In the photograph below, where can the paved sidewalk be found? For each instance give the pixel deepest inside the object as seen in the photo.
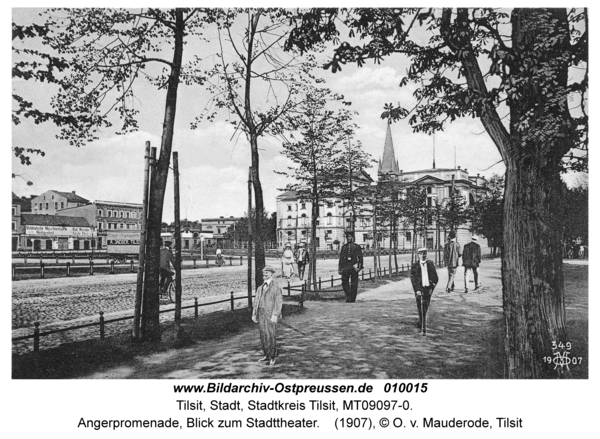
(372, 338)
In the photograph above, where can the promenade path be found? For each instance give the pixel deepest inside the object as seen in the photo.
(373, 338)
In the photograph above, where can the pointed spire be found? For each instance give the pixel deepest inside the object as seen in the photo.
(388, 163)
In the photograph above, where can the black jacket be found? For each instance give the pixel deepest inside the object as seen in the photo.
(349, 255)
(415, 275)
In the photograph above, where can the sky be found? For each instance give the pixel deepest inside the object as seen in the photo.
(214, 160)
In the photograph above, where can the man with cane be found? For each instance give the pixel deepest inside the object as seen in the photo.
(424, 278)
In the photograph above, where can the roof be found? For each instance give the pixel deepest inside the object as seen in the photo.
(72, 197)
(53, 220)
(388, 164)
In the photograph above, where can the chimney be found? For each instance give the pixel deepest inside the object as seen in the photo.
(73, 192)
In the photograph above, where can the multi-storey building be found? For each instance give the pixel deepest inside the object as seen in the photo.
(109, 217)
(16, 221)
(50, 202)
(219, 227)
(294, 214)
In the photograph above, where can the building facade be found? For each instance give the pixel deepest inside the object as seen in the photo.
(109, 218)
(16, 221)
(219, 228)
(51, 202)
(55, 232)
(294, 215)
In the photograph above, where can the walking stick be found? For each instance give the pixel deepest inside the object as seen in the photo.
(422, 314)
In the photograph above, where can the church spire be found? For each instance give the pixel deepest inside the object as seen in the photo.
(388, 163)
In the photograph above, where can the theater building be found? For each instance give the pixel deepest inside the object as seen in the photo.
(50, 202)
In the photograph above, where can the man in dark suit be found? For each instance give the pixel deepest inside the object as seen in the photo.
(350, 263)
(471, 259)
(266, 311)
(301, 259)
(424, 278)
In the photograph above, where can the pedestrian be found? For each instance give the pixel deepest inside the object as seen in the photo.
(266, 312)
(471, 259)
(452, 252)
(287, 260)
(301, 259)
(166, 260)
(424, 278)
(350, 263)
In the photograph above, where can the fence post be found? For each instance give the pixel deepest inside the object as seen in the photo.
(25, 258)
(332, 280)
(288, 288)
(195, 307)
(73, 259)
(132, 266)
(14, 271)
(112, 267)
(194, 262)
(57, 259)
(384, 272)
(302, 295)
(319, 282)
(232, 300)
(207, 261)
(91, 267)
(101, 325)
(241, 260)
(363, 274)
(42, 269)
(370, 275)
(230, 261)
(68, 269)
(36, 337)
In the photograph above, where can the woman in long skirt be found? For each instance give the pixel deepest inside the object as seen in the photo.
(288, 261)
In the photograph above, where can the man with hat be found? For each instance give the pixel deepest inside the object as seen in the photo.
(350, 263)
(266, 311)
(166, 260)
(471, 259)
(301, 259)
(424, 278)
(452, 252)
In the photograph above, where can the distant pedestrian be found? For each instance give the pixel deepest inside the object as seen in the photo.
(452, 252)
(424, 278)
(287, 259)
(471, 260)
(350, 263)
(166, 260)
(266, 312)
(301, 260)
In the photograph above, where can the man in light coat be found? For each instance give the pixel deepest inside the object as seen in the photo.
(452, 252)
(266, 311)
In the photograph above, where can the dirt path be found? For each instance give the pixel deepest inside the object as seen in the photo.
(373, 338)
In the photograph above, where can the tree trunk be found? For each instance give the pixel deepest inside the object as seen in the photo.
(259, 208)
(532, 275)
(150, 328)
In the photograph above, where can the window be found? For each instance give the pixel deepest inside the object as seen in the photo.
(108, 213)
(289, 207)
(14, 225)
(122, 214)
(303, 219)
(56, 205)
(115, 214)
(14, 211)
(99, 212)
(62, 204)
(133, 215)
(289, 221)
(127, 226)
(429, 201)
(303, 206)
(365, 237)
(121, 225)
(126, 214)
(329, 219)
(429, 189)
(408, 236)
(46, 206)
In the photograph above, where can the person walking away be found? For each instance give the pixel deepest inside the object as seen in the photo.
(166, 261)
(301, 260)
(350, 263)
(452, 252)
(266, 312)
(471, 260)
(287, 260)
(219, 256)
(424, 278)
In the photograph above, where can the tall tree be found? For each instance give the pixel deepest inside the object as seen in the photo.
(484, 63)
(257, 83)
(487, 213)
(101, 53)
(315, 145)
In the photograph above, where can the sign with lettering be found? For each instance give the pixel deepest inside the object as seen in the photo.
(78, 232)
(122, 238)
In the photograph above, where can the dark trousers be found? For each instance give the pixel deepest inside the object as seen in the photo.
(350, 284)
(268, 334)
(166, 277)
(475, 276)
(422, 306)
(301, 267)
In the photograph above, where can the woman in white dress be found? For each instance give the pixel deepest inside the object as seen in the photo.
(287, 260)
